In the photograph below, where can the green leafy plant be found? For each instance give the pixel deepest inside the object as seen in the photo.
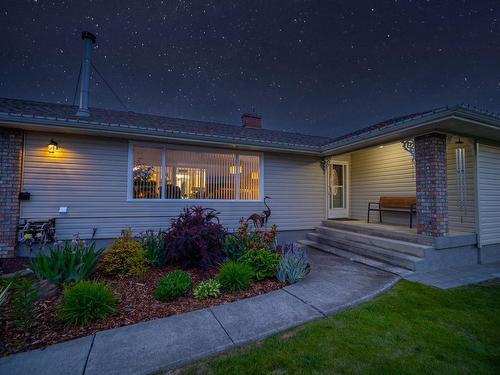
(87, 301)
(263, 262)
(207, 289)
(294, 264)
(256, 238)
(126, 257)
(173, 285)
(4, 290)
(22, 302)
(154, 245)
(72, 262)
(233, 248)
(235, 276)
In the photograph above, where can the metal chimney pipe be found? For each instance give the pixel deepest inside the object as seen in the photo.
(88, 40)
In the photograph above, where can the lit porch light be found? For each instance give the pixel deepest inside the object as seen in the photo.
(52, 147)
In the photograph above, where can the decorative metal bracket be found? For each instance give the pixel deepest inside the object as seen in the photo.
(409, 146)
(323, 164)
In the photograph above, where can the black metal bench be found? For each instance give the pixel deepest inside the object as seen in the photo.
(394, 204)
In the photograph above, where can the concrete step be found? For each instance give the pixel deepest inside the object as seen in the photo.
(369, 251)
(357, 258)
(379, 230)
(410, 248)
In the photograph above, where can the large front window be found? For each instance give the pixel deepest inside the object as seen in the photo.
(169, 172)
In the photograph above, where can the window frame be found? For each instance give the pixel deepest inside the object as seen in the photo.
(165, 147)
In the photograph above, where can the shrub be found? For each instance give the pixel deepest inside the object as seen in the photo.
(256, 239)
(126, 257)
(233, 248)
(263, 262)
(22, 302)
(154, 245)
(207, 289)
(87, 301)
(294, 264)
(195, 239)
(173, 285)
(235, 276)
(73, 262)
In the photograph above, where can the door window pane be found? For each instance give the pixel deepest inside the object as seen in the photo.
(337, 186)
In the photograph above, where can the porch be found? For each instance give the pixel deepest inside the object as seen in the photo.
(433, 175)
(445, 197)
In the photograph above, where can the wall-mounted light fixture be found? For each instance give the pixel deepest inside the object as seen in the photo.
(52, 147)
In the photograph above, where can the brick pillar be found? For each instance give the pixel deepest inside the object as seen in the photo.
(431, 181)
(11, 146)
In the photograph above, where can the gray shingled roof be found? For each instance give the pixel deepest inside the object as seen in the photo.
(239, 134)
(62, 114)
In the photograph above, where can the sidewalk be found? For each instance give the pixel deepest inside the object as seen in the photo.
(334, 284)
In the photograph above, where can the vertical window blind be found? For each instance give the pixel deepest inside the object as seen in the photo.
(196, 174)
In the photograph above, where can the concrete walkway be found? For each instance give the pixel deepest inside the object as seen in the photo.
(144, 348)
(457, 276)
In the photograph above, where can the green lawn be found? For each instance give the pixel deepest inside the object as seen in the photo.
(412, 329)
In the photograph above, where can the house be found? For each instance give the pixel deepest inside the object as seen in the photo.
(97, 171)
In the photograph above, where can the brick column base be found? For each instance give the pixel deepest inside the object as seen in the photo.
(431, 184)
(11, 145)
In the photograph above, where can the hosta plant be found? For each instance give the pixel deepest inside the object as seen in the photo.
(126, 257)
(294, 264)
(69, 263)
(263, 262)
(207, 289)
(195, 239)
(235, 276)
(87, 301)
(172, 286)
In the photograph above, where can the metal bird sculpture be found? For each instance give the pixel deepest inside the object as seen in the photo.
(260, 220)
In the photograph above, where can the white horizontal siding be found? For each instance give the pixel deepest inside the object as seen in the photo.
(489, 193)
(89, 176)
(377, 172)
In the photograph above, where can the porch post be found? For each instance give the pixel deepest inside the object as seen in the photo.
(431, 184)
(11, 142)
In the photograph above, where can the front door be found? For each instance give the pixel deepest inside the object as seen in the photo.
(337, 189)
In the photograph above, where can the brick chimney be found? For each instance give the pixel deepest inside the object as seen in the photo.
(250, 120)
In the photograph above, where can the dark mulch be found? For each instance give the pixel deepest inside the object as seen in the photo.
(11, 265)
(137, 304)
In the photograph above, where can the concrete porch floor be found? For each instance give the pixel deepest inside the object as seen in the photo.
(405, 233)
(457, 276)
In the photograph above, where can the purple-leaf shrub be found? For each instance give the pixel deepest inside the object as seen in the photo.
(195, 239)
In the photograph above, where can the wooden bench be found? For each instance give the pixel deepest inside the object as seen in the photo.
(394, 204)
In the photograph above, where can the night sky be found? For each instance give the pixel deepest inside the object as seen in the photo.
(321, 67)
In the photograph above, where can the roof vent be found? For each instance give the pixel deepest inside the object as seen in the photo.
(89, 40)
(250, 120)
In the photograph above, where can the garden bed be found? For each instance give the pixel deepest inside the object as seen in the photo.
(139, 278)
(136, 304)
